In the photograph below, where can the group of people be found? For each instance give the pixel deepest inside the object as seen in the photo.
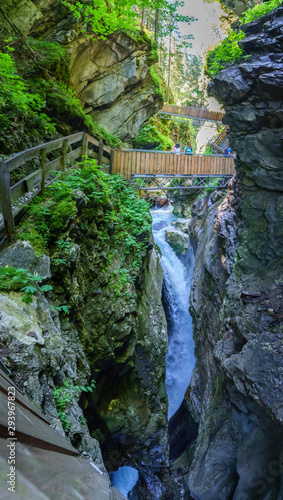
(188, 149)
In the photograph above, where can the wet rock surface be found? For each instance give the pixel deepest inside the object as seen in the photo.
(178, 240)
(114, 335)
(235, 395)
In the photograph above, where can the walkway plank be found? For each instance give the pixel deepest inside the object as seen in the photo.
(201, 114)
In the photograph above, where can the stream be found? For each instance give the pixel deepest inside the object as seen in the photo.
(180, 360)
(178, 276)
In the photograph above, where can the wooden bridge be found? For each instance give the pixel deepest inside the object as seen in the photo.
(68, 151)
(188, 112)
(128, 162)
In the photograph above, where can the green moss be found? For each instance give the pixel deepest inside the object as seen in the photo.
(64, 211)
(28, 233)
(51, 56)
(62, 103)
(160, 87)
(150, 137)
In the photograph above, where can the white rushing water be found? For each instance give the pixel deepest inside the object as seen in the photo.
(180, 359)
(124, 479)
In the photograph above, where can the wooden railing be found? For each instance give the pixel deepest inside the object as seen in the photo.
(220, 138)
(47, 465)
(127, 162)
(76, 146)
(202, 114)
(73, 148)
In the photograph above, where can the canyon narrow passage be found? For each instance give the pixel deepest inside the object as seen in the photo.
(178, 273)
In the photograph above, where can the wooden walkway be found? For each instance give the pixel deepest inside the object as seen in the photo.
(184, 111)
(71, 149)
(129, 162)
(47, 465)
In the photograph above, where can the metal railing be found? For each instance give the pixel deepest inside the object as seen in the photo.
(128, 162)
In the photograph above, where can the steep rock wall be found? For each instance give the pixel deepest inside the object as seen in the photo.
(115, 333)
(110, 77)
(236, 390)
(239, 6)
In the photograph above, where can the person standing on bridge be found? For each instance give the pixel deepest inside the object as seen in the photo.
(188, 149)
(229, 153)
(177, 149)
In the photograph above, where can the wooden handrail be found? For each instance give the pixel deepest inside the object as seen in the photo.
(221, 136)
(9, 194)
(200, 113)
(124, 162)
(128, 162)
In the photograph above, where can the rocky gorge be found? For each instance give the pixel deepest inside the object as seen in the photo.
(111, 329)
(110, 76)
(235, 395)
(103, 319)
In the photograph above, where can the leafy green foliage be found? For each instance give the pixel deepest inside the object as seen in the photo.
(33, 87)
(64, 397)
(126, 217)
(229, 52)
(63, 308)
(102, 18)
(260, 10)
(224, 54)
(19, 279)
(16, 100)
(150, 137)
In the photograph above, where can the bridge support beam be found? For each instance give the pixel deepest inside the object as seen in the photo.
(159, 182)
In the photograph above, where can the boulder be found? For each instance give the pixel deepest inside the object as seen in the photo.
(178, 240)
(181, 224)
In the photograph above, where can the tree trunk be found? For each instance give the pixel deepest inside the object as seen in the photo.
(142, 18)
(169, 67)
(148, 16)
(156, 25)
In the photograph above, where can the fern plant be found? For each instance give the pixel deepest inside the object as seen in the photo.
(64, 397)
(19, 279)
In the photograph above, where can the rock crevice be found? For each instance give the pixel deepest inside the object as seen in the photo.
(237, 302)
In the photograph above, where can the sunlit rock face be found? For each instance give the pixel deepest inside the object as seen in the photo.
(237, 294)
(239, 6)
(111, 77)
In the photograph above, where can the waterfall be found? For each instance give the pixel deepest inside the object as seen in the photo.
(180, 359)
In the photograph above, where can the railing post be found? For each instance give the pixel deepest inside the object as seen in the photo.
(100, 153)
(42, 164)
(85, 145)
(5, 195)
(64, 156)
(111, 161)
